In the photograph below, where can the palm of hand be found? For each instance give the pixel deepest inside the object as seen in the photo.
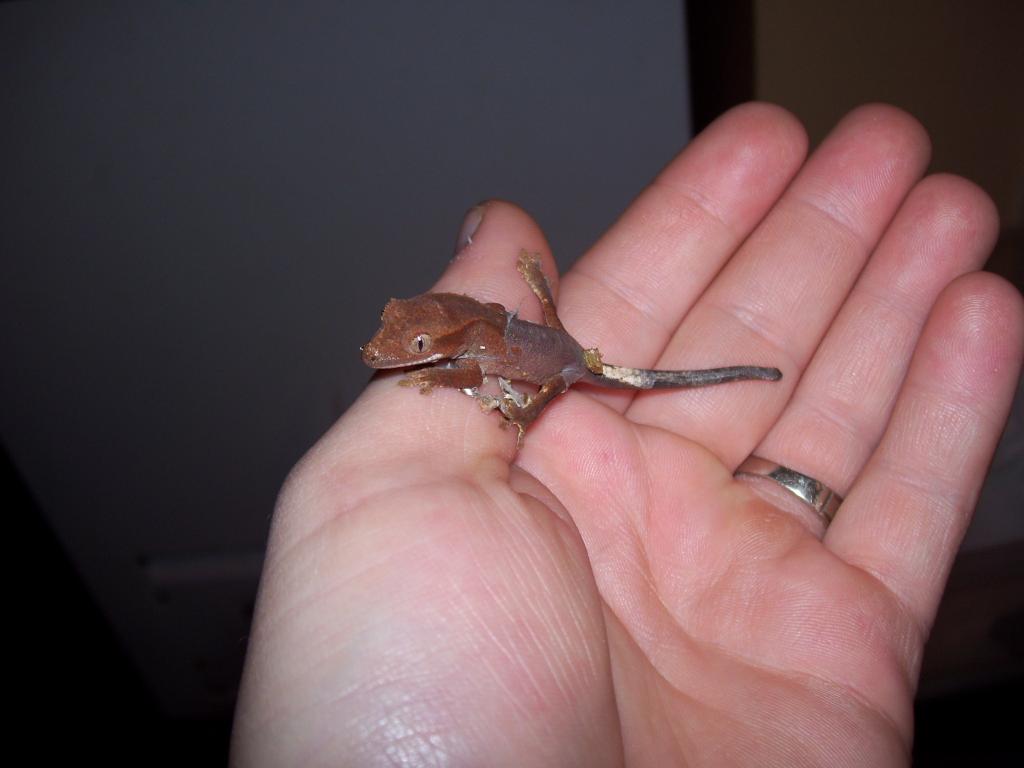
(496, 615)
(611, 593)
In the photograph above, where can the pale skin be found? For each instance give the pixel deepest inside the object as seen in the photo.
(610, 594)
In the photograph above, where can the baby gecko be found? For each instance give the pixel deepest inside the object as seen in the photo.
(461, 341)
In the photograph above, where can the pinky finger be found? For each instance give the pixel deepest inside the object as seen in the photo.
(904, 518)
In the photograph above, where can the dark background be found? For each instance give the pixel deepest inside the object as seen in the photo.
(204, 206)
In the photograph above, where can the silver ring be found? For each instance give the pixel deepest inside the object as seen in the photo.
(818, 496)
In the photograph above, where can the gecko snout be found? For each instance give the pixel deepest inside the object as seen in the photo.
(369, 353)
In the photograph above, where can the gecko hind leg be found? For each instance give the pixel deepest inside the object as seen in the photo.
(529, 268)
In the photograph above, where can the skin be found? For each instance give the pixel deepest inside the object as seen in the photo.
(610, 594)
(462, 341)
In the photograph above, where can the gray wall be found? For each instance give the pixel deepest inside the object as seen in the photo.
(204, 207)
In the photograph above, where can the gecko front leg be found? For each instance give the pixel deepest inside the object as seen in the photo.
(486, 402)
(458, 374)
(521, 399)
(514, 405)
(525, 411)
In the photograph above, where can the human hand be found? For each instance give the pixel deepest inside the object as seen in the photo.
(612, 594)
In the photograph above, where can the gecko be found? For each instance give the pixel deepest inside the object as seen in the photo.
(459, 341)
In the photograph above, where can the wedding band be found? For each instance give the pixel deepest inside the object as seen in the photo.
(818, 496)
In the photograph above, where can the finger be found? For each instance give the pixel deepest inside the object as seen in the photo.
(946, 228)
(484, 266)
(393, 435)
(774, 300)
(629, 292)
(905, 516)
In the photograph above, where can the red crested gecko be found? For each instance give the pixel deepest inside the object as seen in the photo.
(461, 341)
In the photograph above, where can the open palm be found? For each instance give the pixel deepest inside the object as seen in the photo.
(612, 594)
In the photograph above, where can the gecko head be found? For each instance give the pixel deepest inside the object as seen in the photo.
(415, 331)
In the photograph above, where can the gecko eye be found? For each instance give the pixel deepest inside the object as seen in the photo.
(420, 343)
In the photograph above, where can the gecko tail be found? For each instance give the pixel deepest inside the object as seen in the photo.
(642, 378)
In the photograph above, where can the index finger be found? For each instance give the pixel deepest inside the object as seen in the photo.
(628, 294)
